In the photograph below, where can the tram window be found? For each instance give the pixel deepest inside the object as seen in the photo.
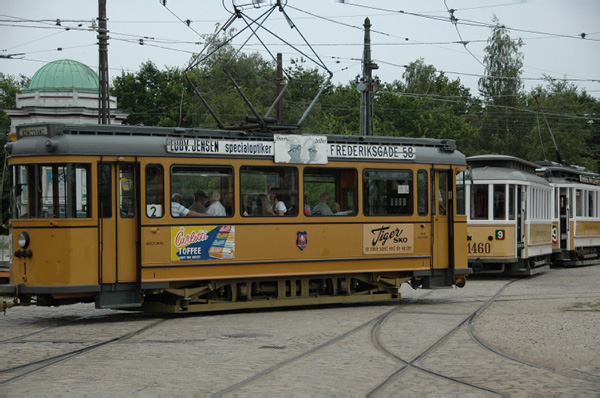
(579, 202)
(216, 181)
(591, 203)
(104, 191)
(388, 192)
(499, 202)
(155, 198)
(258, 182)
(479, 202)
(51, 191)
(330, 192)
(460, 194)
(511, 202)
(442, 192)
(127, 190)
(422, 196)
(20, 192)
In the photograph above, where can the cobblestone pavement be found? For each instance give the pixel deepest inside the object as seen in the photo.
(547, 325)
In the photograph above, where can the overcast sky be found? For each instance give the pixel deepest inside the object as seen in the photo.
(402, 32)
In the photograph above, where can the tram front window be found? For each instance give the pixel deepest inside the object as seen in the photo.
(50, 191)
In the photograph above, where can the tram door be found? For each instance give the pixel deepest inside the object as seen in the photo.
(441, 211)
(118, 216)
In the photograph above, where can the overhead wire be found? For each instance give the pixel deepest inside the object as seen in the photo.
(454, 21)
(312, 15)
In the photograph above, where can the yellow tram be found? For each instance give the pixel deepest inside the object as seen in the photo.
(180, 220)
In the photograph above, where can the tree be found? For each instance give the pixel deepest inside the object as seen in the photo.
(501, 87)
(151, 96)
(572, 117)
(10, 86)
(428, 104)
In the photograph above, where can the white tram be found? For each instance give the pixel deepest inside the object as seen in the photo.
(509, 216)
(575, 215)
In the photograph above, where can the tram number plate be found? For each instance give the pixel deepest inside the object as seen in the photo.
(479, 248)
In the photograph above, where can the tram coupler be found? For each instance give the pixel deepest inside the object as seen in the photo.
(460, 281)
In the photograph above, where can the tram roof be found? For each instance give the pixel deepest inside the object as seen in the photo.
(491, 173)
(122, 140)
(502, 161)
(559, 173)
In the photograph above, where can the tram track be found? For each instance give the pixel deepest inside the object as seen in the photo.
(413, 363)
(410, 342)
(469, 321)
(9, 375)
(313, 350)
(376, 341)
(466, 322)
(488, 346)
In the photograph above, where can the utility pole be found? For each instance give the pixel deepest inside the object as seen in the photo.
(279, 81)
(103, 93)
(367, 85)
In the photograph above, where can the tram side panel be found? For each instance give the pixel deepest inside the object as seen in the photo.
(259, 250)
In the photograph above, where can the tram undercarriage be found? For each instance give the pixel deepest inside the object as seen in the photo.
(236, 294)
(518, 267)
(576, 258)
(223, 295)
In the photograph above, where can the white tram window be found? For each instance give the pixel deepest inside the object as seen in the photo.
(499, 202)
(479, 202)
(388, 192)
(511, 202)
(556, 196)
(216, 181)
(591, 204)
(532, 204)
(51, 191)
(579, 203)
(264, 187)
(330, 192)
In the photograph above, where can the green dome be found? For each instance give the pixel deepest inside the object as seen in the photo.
(64, 75)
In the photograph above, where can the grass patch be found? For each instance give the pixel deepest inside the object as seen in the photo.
(590, 306)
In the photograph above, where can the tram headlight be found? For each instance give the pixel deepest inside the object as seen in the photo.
(23, 240)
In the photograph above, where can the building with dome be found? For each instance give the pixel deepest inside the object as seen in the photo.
(63, 91)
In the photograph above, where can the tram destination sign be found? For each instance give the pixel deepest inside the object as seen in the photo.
(371, 151)
(32, 131)
(306, 149)
(202, 146)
